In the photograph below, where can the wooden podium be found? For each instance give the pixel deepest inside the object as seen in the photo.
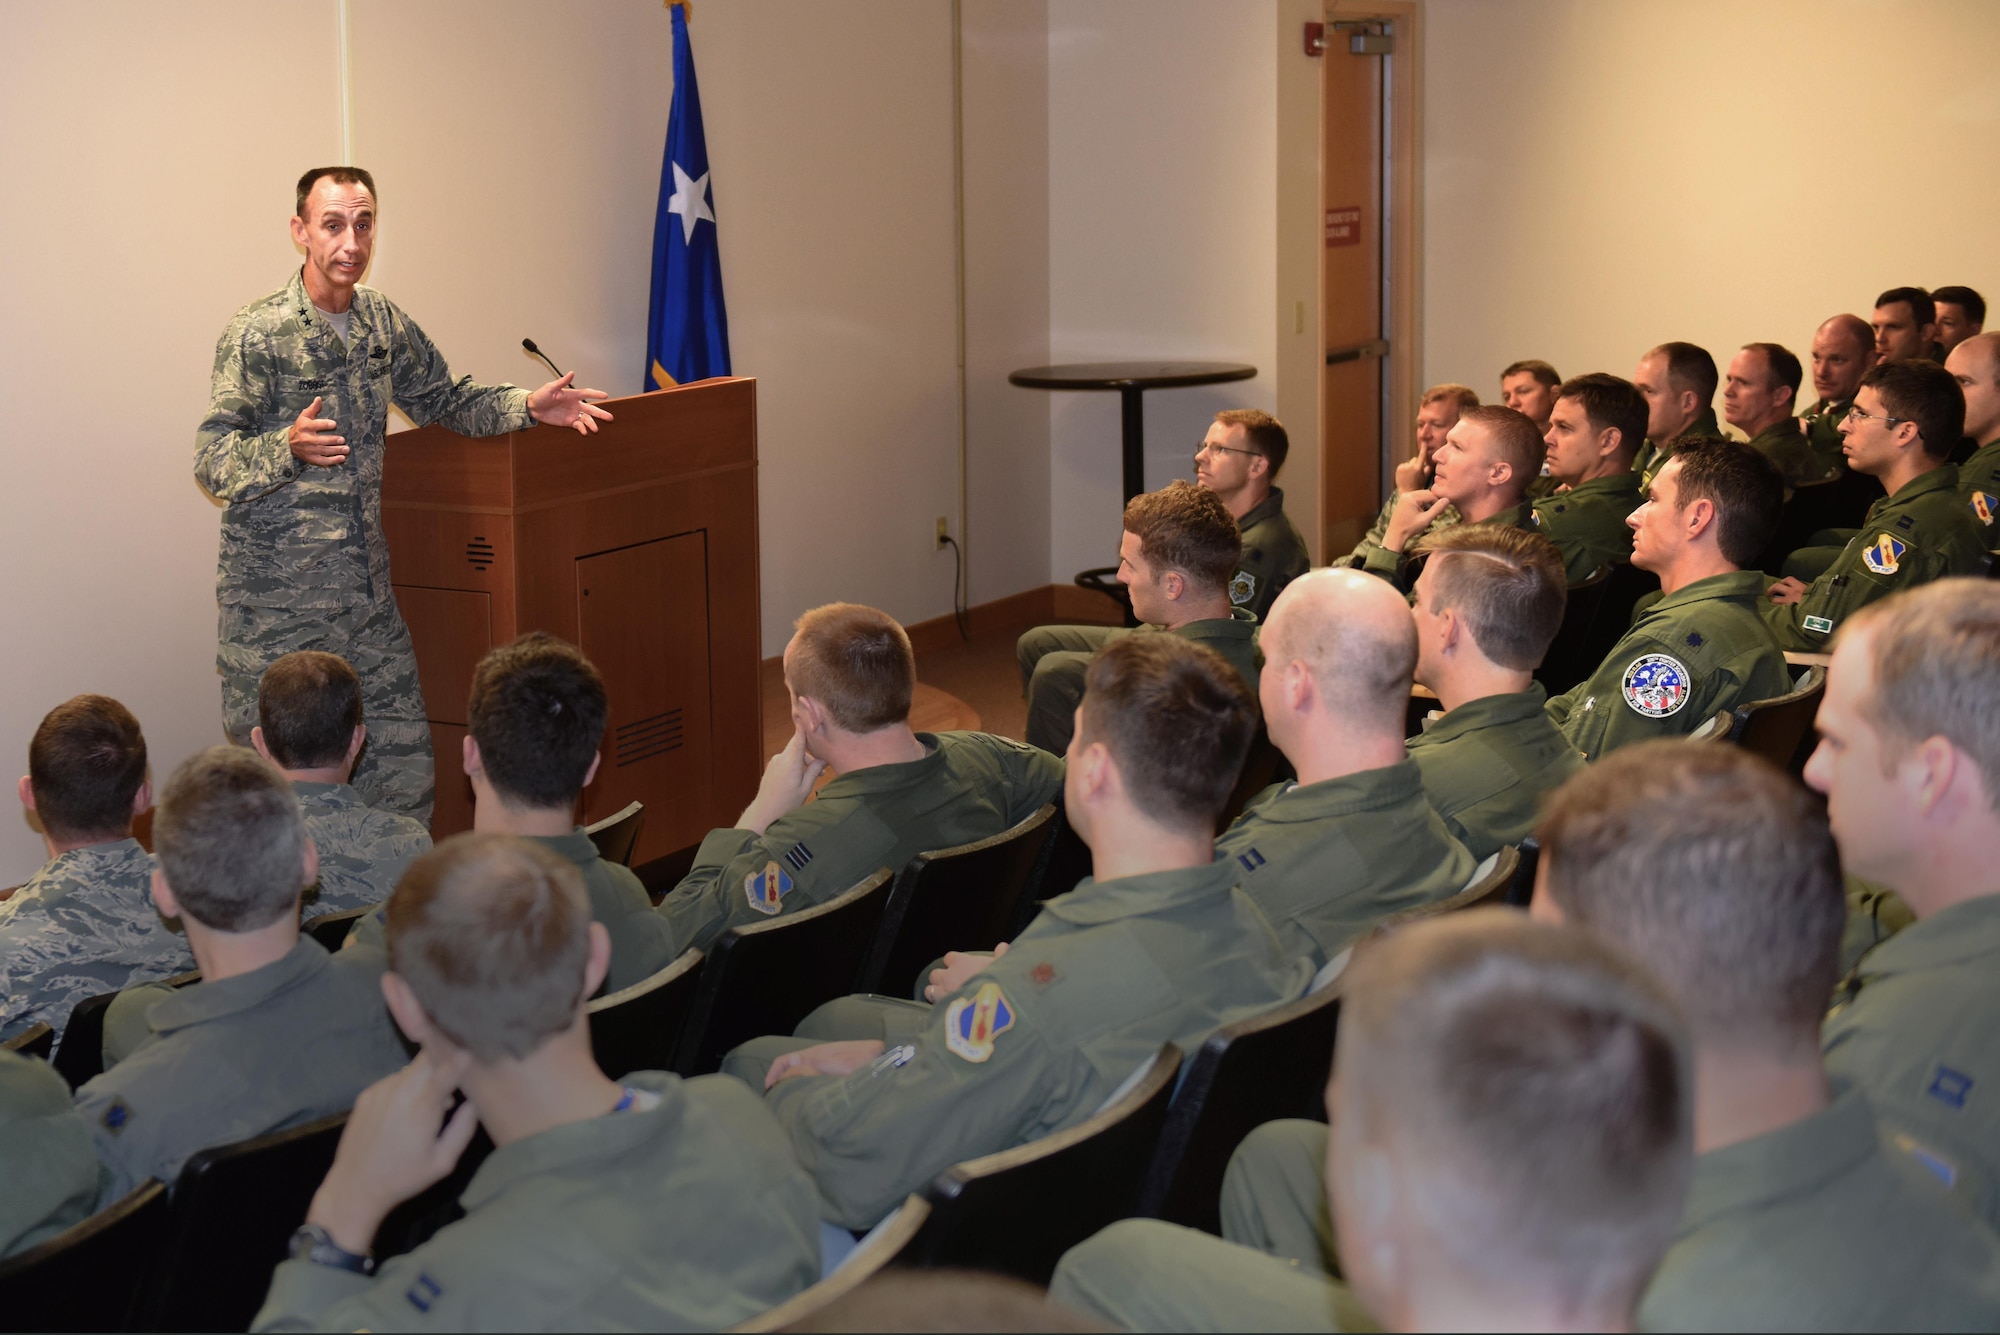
(637, 543)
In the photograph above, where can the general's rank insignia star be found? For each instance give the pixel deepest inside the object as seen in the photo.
(1884, 555)
(767, 889)
(972, 1024)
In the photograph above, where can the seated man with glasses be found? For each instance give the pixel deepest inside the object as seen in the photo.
(1239, 460)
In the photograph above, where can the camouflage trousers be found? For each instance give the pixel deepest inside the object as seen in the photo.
(395, 771)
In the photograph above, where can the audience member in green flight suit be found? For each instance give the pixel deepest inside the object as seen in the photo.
(1239, 461)
(1961, 314)
(1843, 350)
(1598, 423)
(1905, 324)
(1975, 365)
(1679, 382)
(1758, 396)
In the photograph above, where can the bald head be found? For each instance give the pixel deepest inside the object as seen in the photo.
(1351, 634)
(1975, 365)
(1843, 348)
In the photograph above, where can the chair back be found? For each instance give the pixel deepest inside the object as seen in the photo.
(1246, 1074)
(79, 1057)
(766, 977)
(1624, 586)
(1492, 882)
(1018, 1211)
(37, 1040)
(636, 1028)
(877, 1251)
(1827, 502)
(88, 1276)
(1065, 861)
(1564, 665)
(235, 1208)
(1527, 860)
(962, 898)
(331, 929)
(1781, 729)
(1263, 765)
(617, 835)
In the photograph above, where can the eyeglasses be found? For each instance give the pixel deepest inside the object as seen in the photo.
(1209, 447)
(1855, 414)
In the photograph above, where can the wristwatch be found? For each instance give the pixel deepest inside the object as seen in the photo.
(313, 1243)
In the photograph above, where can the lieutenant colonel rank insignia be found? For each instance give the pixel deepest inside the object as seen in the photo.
(971, 1024)
(1984, 505)
(1243, 588)
(1657, 685)
(767, 889)
(1884, 554)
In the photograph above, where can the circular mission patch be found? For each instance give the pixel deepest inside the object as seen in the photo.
(1657, 685)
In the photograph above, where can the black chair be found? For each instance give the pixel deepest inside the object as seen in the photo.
(235, 1208)
(1263, 765)
(88, 1276)
(617, 835)
(1104, 580)
(879, 1250)
(418, 1219)
(1839, 501)
(1568, 660)
(1019, 1210)
(1065, 861)
(1492, 883)
(38, 1040)
(768, 976)
(331, 929)
(1527, 860)
(80, 1056)
(1623, 589)
(963, 898)
(637, 1028)
(1254, 1071)
(1781, 729)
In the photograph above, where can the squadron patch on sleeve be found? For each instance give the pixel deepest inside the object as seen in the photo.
(1984, 506)
(1243, 589)
(972, 1024)
(1657, 685)
(767, 889)
(1884, 555)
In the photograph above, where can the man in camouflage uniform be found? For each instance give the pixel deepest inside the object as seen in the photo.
(1975, 365)
(303, 561)
(309, 726)
(1679, 382)
(1758, 395)
(1596, 426)
(84, 924)
(1239, 460)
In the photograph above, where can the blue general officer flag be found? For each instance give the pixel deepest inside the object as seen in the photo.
(687, 330)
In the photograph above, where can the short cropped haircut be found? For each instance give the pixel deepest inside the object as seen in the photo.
(1464, 396)
(1735, 903)
(1925, 393)
(1745, 487)
(537, 713)
(1858, 331)
(1610, 401)
(1936, 664)
(1541, 1085)
(1187, 528)
(309, 705)
(1265, 433)
(1690, 367)
(1362, 669)
(492, 933)
(857, 663)
(1515, 438)
(340, 176)
(230, 840)
(1780, 363)
(85, 764)
(1923, 306)
(1540, 370)
(1177, 719)
(1507, 583)
(1964, 298)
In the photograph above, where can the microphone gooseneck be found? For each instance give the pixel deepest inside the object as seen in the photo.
(529, 344)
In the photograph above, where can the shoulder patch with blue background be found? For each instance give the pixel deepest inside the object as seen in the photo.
(1657, 685)
(1884, 556)
(973, 1024)
(1984, 506)
(766, 889)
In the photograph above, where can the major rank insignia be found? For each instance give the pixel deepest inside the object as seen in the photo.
(1885, 554)
(1243, 588)
(766, 889)
(1984, 506)
(1657, 685)
(971, 1024)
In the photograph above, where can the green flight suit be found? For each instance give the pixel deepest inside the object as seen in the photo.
(1821, 1226)
(1327, 861)
(969, 785)
(46, 1160)
(1041, 1039)
(1587, 522)
(1784, 443)
(641, 944)
(362, 850)
(1053, 658)
(1924, 532)
(1822, 427)
(1874, 914)
(304, 562)
(1692, 654)
(83, 925)
(1274, 554)
(1487, 764)
(239, 1057)
(1376, 559)
(1648, 461)
(689, 1215)
(1979, 487)
(1918, 1031)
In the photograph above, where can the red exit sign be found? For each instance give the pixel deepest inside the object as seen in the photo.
(1343, 227)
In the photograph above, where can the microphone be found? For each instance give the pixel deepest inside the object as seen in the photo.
(529, 344)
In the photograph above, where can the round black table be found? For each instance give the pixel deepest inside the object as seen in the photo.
(1131, 380)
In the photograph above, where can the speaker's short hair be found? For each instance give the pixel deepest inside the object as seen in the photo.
(1507, 583)
(230, 840)
(1176, 718)
(537, 713)
(1187, 528)
(1925, 393)
(857, 662)
(1936, 669)
(1265, 433)
(339, 176)
(309, 705)
(85, 764)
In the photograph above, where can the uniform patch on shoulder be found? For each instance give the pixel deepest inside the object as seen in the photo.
(972, 1024)
(1950, 1087)
(424, 1292)
(1906, 523)
(1043, 974)
(799, 857)
(1984, 506)
(116, 1116)
(1657, 685)
(1242, 589)
(1943, 1169)
(1820, 625)
(1251, 859)
(1694, 639)
(1884, 556)
(766, 889)
(1535, 518)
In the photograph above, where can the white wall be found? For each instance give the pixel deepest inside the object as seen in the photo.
(1602, 177)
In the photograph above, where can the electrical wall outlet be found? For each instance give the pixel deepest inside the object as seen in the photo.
(943, 531)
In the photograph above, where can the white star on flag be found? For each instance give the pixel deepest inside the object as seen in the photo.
(690, 200)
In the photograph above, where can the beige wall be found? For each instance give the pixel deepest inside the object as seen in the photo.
(1605, 176)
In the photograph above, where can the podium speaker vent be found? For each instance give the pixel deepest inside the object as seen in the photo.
(642, 739)
(479, 553)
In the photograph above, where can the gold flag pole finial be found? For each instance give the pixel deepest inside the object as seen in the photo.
(685, 6)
